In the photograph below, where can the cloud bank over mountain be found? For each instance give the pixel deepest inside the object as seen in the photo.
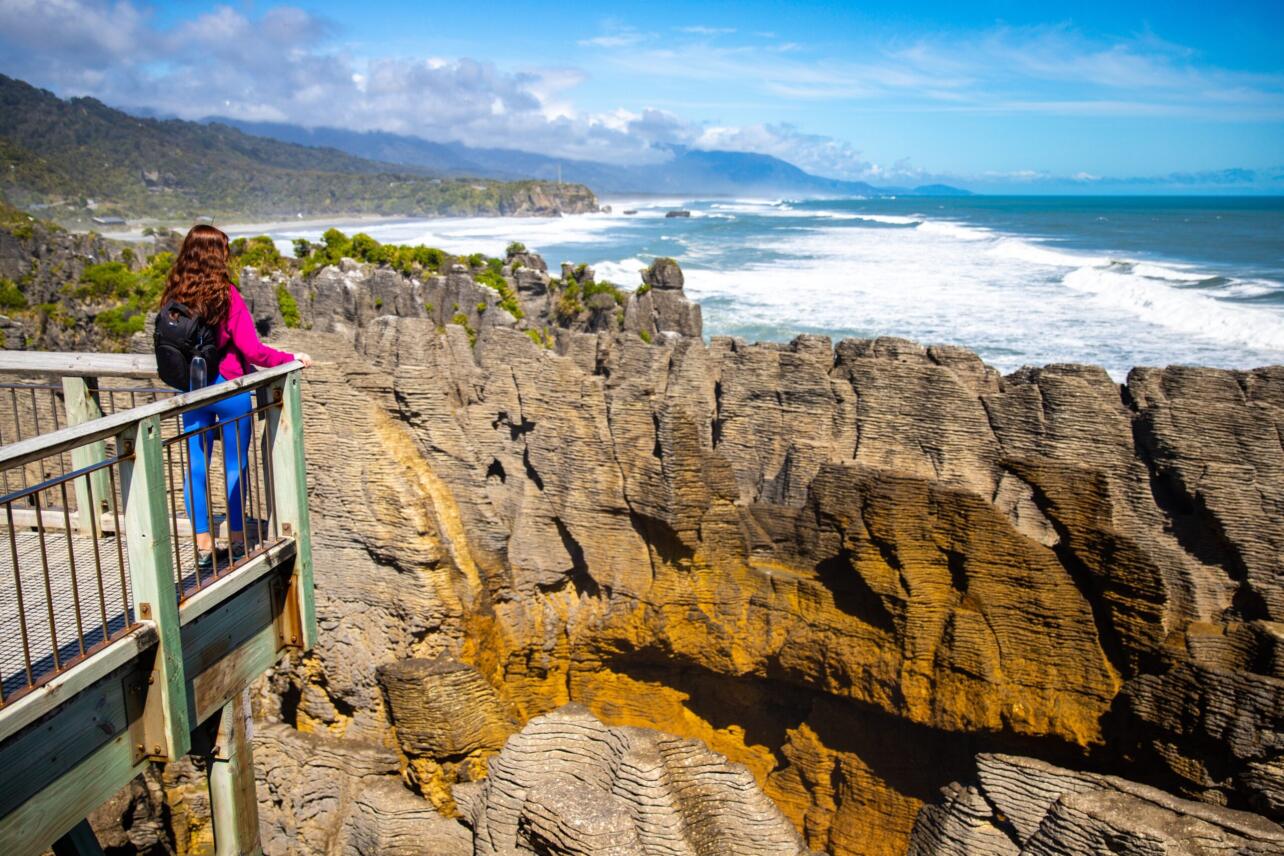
(288, 65)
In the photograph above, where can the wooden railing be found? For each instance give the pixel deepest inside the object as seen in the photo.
(105, 577)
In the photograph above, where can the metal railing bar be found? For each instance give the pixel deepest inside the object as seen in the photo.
(98, 560)
(209, 508)
(71, 563)
(50, 483)
(253, 482)
(240, 500)
(17, 585)
(47, 445)
(116, 499)
(186, 468)
(17, 420)
(183, 435)
(49, 601)
(173, 513)
(48, 386)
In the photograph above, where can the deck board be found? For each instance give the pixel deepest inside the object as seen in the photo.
(103, 616)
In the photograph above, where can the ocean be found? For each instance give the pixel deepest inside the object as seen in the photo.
(1112, 281)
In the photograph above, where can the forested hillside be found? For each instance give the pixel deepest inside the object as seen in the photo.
(79, 158)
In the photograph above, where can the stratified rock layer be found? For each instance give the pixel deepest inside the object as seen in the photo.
(1031, 808)
(326, 796)
(448, 722)
(568, 785)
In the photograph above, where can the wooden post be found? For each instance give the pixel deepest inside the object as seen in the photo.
(290, 507)
(164, 734)
(80, 395)
(233, 802)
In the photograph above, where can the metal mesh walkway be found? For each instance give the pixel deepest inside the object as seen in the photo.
(48, 645)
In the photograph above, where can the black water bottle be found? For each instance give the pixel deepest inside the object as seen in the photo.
(198, 374)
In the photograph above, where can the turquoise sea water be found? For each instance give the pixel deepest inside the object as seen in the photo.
(1021, 280)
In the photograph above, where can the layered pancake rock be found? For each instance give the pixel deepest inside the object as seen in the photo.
(568, 785)
(850, 568)
(1024, 807)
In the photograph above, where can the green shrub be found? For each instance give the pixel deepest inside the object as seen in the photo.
(302, 248)
(514, 248)
(507, 296)
(477, 260)
(481, 307)
(259, 252)
(121, 321)
(114, 280)
(643, 289)
(604, 287)
(542, 338)
(462, 320)
(105, 280)
(11, 297)
(645, 336)
(289, 307)
(568, 308)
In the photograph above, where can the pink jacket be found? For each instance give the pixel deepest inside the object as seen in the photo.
(241, 341)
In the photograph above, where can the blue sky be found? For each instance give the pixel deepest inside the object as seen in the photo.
(998, 96)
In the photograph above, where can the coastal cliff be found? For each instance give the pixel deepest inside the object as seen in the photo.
(851, 568)
(880, 576)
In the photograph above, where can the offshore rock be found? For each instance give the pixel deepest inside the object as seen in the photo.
(567, 785)
(664, 274)
(1032, 808)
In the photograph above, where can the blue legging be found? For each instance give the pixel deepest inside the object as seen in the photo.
(233, 415)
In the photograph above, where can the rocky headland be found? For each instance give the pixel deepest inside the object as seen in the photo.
(871, 588)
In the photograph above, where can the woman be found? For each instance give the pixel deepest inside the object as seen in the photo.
(200, 281)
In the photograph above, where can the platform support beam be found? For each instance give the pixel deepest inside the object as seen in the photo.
(233, 802)
(290, 507)
(163, 732)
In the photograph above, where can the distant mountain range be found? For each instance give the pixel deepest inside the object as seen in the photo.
(688, 172)
(77, 158)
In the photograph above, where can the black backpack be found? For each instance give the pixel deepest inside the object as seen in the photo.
(182, 335)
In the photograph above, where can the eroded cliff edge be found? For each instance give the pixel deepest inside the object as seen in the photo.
(851, 568)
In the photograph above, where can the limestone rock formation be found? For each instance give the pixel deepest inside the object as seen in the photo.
(448, 722)
(850, 568)
(1032, 808)
(325, 796)
(567, 785)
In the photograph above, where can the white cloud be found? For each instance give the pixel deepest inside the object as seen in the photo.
(701, 30)
(811, 152)
(288, 65)
(277, 67)
(619, 41)
(1004, 70)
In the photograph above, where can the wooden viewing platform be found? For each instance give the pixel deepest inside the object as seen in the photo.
(117, 650)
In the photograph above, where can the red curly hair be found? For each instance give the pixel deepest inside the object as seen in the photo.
(199, 278)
